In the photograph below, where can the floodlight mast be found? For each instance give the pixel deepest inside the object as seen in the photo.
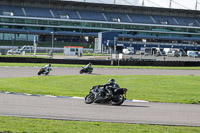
(196, 6)
(170, 4)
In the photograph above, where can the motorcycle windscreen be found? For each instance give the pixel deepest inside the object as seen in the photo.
(119, 91)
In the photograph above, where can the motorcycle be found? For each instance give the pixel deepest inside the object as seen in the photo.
(95, 95)
(42, 71)
(86, 70)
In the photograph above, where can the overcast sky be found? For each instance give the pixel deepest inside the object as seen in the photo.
(180, 4)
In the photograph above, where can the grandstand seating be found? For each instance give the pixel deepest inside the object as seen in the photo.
(97, 16)
(163, 19)
(71, 13)
(88, 15)
(37, 12)
(15, 9)
(186, 21)
(115, 16)
(136, 18)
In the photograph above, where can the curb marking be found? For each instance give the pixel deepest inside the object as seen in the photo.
(74, 97)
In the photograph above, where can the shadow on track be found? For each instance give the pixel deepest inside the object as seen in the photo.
(130, 106)
(134, 106)
(91, 74)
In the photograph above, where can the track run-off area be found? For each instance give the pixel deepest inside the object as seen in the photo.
(75, 109)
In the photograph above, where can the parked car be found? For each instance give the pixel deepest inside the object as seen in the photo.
(194, 54)
(128, 51)
(25, 48)
(173, 53)
(14, 51)
(28, 49)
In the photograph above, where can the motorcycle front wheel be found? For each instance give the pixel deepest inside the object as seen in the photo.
(81, 71)
(40, 72)
(120, 100)
(89, 98)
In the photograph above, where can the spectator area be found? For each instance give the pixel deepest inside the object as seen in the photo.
(96, 16)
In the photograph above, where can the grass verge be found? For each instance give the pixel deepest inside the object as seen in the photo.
(27, 56)
(170, 89)
(28, 125)
(96, 66)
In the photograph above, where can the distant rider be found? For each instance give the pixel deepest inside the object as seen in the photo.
(89, 66)
(47, 68)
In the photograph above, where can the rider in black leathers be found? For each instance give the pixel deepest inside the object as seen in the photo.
(107, 92)
(89, 66)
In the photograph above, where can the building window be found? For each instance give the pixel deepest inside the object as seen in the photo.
(72, 49)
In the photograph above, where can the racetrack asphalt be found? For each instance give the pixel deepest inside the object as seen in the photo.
(7, 72)
(76, 109)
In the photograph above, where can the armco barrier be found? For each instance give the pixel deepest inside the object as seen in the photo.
(100, 62)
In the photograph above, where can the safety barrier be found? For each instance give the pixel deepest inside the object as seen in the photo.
(100, 62)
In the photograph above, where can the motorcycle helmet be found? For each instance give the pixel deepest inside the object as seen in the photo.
(111, 81)
(49, 65)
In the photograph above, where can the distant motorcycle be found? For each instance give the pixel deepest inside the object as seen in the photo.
(42, 71)
(86, 70)
(117, 98)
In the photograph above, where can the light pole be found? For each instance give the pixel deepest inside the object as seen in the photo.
(13, 38)
(52, 41)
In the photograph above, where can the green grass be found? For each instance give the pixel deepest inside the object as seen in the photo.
(170, 89)
(18, 55)
(96, 66)
(28, 125)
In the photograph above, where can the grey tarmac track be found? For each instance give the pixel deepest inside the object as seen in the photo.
(7, 72)
(76, 109)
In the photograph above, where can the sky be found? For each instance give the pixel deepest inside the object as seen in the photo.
(177, 4)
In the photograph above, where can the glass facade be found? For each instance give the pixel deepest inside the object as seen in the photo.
(61, 24)
(22, 37)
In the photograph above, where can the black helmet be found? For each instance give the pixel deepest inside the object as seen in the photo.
(111, 81)
(49, 65)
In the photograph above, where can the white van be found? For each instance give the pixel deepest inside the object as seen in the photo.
(128, 51)
(26, 48)
(171, 52)
(193, 54)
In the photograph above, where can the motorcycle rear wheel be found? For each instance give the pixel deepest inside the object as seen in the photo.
(90, 72)
(89, 98)
(47, 73)
(120, 101)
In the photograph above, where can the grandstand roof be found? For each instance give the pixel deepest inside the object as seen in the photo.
(175, 4)
(116, 4)
(172, 4)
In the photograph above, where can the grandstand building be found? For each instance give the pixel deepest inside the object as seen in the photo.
(71, 22)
